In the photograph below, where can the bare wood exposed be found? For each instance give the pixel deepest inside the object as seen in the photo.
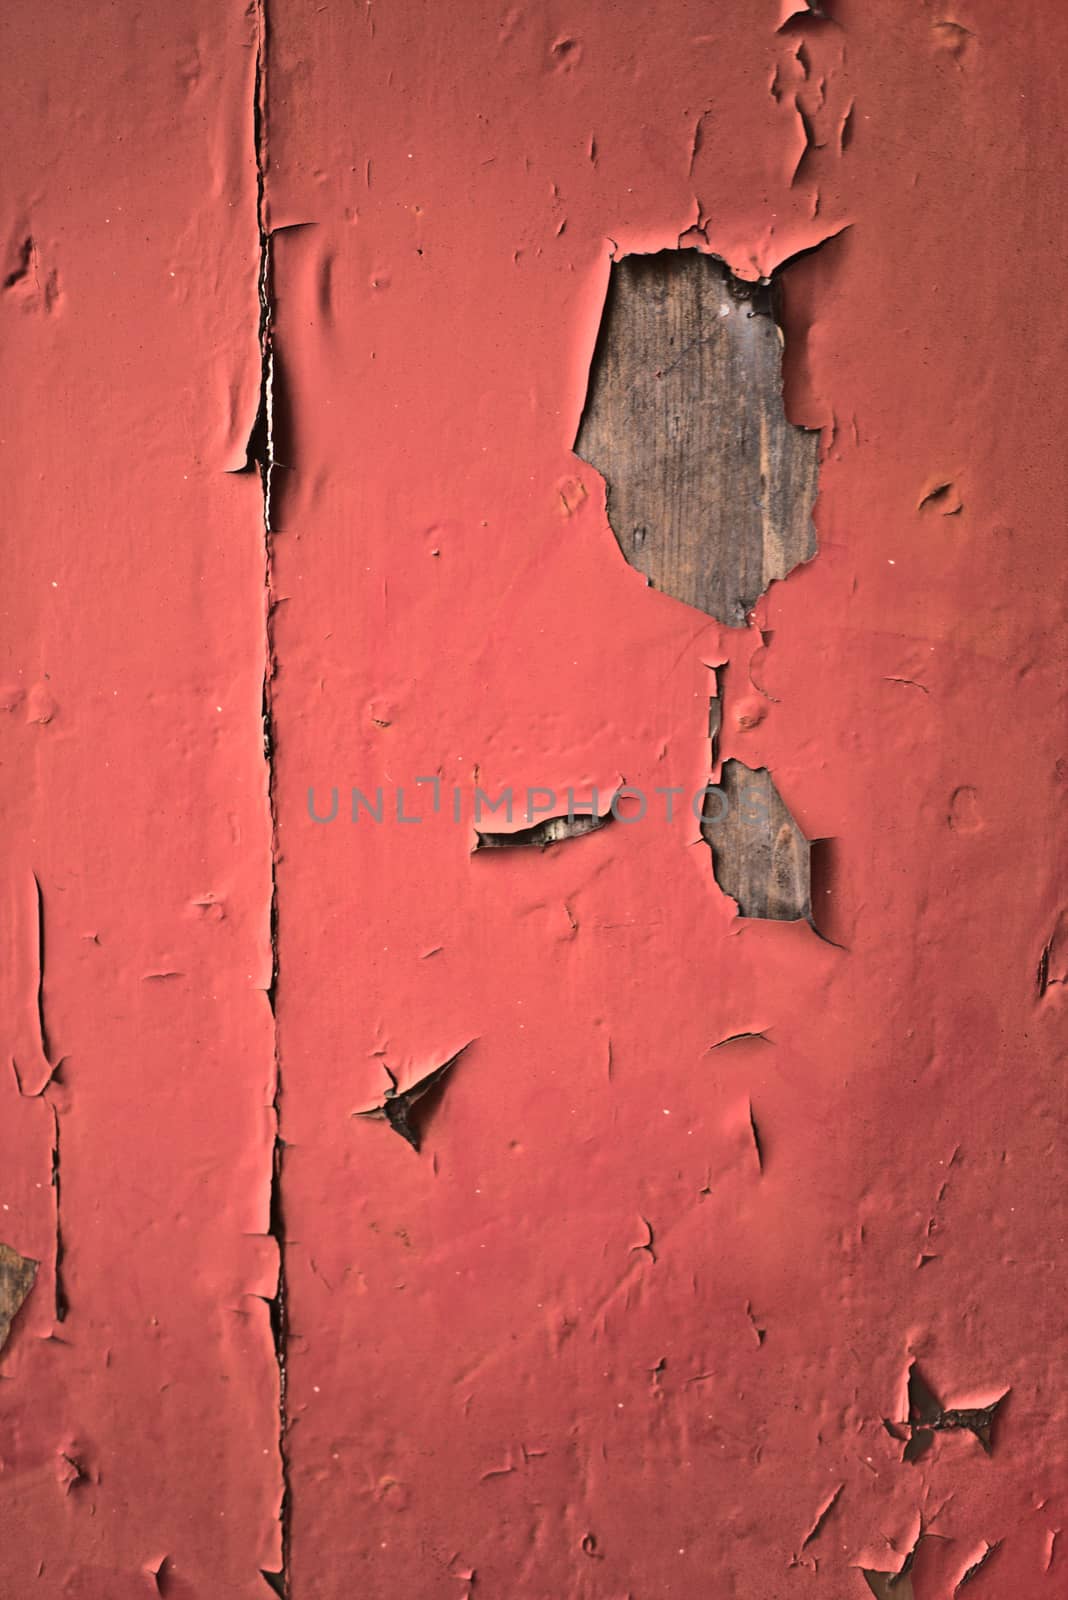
(16, 1280)
(760, 857)
(710, 488)
(552, 830)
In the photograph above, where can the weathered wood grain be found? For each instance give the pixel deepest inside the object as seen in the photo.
(710, 488)
(760, 857)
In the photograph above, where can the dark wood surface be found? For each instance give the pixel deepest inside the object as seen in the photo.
(710, 488)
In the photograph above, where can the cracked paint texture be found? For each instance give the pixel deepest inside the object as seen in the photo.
(640, 1314)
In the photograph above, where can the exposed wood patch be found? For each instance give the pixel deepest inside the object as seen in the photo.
(760, 857)
(16, 1280)
(552, 830)
(710, 488)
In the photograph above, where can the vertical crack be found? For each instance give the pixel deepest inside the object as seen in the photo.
(261, 451)
(42, 1026)
(261, 439)
(279, 1314)
(59, 1291)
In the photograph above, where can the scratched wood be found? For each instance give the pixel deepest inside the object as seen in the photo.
(710, 488)
(760, 857)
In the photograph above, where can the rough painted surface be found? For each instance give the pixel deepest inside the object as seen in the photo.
(712, 1219)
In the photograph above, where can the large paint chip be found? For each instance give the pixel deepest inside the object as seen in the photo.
(710, 488)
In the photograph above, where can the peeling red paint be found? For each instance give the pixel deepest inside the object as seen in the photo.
(640, 1313)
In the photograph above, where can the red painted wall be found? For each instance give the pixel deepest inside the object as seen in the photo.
(591, 1340)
